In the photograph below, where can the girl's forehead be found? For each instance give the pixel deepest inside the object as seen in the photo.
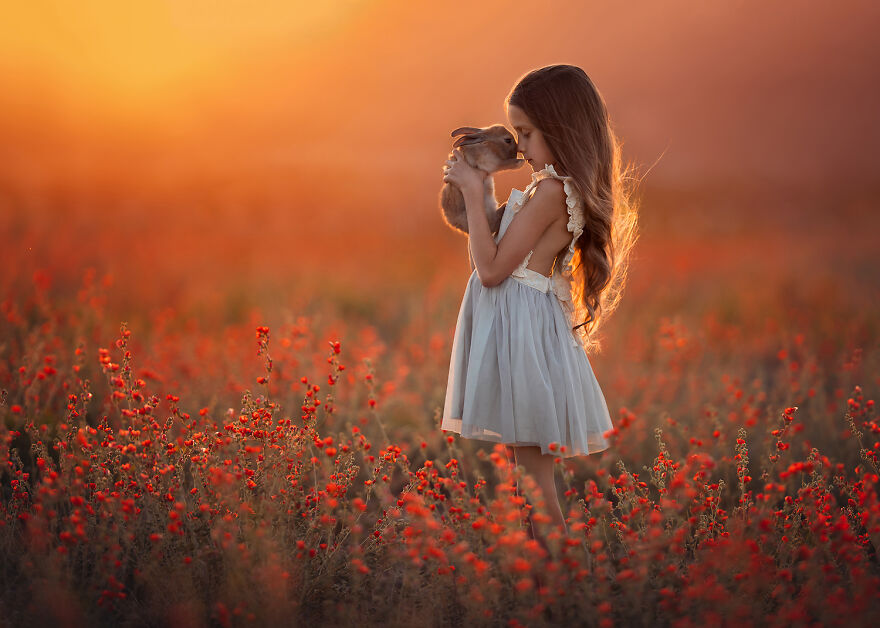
(516, 116)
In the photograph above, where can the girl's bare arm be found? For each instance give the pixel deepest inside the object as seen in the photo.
(499, 212)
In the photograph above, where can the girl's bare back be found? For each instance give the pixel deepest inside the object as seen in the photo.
(553, 241)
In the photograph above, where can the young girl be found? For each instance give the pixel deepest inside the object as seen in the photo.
(539, 289)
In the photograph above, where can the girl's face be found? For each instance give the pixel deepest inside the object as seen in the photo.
(529, 140)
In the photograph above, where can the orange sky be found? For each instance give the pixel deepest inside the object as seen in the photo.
(222, 103)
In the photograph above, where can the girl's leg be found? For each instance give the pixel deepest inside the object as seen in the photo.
(511, 457)
(541, 468)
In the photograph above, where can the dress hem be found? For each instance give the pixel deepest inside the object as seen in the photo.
(545, 449)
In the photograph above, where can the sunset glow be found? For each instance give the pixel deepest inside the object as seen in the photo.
(230, 300)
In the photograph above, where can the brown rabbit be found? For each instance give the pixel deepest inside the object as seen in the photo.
(490, 149)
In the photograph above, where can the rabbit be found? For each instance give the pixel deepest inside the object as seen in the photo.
(490, 149)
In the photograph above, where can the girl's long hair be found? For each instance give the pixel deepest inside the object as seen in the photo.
(562, 102)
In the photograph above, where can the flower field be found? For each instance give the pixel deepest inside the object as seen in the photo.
(257, 460)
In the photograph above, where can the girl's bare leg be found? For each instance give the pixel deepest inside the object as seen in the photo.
(511, 457)
(541, 467)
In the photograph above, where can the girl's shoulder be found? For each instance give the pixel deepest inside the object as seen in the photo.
(549, 172)
(572, 198)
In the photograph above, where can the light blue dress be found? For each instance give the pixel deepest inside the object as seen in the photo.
(518, 373)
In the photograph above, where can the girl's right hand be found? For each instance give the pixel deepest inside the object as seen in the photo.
(462, 174)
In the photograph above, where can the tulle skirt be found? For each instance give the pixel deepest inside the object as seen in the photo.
(518, 375)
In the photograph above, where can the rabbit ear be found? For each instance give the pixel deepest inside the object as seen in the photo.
(467, 140)
(465, 129)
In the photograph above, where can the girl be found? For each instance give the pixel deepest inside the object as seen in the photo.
(539, 289)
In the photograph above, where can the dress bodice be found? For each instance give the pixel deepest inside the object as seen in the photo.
(560, 278)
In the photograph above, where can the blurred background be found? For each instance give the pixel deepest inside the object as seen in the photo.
(198, 168)
(224, 156)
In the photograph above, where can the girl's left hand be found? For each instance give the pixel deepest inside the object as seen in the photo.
(462, 174)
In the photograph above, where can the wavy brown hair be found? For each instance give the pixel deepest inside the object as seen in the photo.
(562, 102)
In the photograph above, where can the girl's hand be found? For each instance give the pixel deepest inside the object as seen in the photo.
(462, 174)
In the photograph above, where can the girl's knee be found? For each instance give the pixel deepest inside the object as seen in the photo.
(526, 453)
(532, 458)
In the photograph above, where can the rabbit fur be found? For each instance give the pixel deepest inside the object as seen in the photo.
(490, 149)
